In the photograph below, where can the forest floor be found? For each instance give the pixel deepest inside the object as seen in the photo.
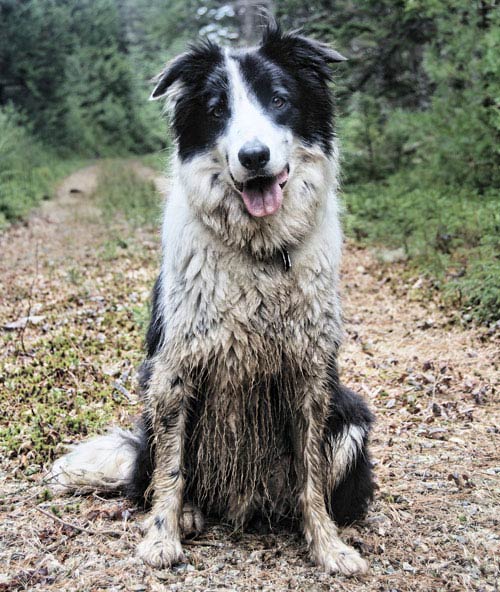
(84, 281)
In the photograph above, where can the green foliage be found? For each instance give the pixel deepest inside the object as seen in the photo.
(463, 123)
(451, 233)
(28, 171)
(46, 382)
(67, 67)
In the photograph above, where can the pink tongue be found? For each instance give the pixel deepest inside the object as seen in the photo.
(265, 201)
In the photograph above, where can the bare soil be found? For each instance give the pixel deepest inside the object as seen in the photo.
(432, 383)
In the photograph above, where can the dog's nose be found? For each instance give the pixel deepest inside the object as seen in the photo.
(254, 155)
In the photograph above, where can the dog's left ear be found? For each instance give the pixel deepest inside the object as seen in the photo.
(299, 51)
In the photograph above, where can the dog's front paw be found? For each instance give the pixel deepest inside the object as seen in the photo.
(340, 558)
(159, 552)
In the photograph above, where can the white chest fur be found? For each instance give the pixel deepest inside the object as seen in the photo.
(221, 301)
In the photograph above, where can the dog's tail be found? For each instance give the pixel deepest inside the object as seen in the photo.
(118, 461)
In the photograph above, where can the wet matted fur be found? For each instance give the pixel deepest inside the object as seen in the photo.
(244, 413)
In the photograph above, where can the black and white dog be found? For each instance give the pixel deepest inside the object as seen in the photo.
(244, 412)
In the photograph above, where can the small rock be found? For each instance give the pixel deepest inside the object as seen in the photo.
(408, 567)
(255, 556)
(183, 568)
(23, 322)
(422, 547)
(436, 433)
(111, 370)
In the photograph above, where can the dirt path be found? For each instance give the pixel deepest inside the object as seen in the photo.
(433, 385)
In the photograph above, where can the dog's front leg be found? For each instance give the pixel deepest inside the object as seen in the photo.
(161, 546)
(327, 550)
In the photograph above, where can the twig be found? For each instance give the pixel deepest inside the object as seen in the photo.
(113, 533)
(194, 543)
(119, 387)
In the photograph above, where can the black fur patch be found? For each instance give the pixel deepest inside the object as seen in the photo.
(350, 499)
(202, 111)
(155, 331)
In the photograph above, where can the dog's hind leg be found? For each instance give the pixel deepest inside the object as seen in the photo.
(167, 401)
(349, 484)
(321, 533)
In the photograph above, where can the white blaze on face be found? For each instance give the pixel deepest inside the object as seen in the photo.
(249, 123)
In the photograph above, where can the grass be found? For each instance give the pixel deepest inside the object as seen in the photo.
(61, 388)
(124, 192)
(58, 380)
(449, 234)
(26, 185)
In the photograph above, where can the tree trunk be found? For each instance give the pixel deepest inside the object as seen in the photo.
(252, 16)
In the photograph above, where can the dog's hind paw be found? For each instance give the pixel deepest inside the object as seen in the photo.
(160, 552)
(341, 559)
(192, 521)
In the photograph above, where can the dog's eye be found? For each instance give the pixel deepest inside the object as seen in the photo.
(278, 101)
(218, 111)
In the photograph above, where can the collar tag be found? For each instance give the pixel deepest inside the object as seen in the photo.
(287, 262)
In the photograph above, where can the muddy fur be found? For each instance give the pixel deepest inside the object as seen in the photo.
(270, 478)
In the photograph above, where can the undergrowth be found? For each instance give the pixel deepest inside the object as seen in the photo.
(450, 234)
(62, 390)
(122, 192)
(29, 170)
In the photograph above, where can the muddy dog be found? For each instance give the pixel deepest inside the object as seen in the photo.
(244, 413)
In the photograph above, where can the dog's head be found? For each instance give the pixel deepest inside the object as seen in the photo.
(254, 131)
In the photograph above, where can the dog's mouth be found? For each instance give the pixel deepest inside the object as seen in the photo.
(263, 196)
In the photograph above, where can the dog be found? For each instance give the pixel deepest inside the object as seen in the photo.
(244, 414)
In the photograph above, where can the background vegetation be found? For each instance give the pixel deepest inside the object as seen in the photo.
(418, 106)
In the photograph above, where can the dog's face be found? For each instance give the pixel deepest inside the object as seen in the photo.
(246, 122)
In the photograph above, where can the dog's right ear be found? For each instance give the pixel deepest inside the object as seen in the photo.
(190, 68)
(170, 74)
